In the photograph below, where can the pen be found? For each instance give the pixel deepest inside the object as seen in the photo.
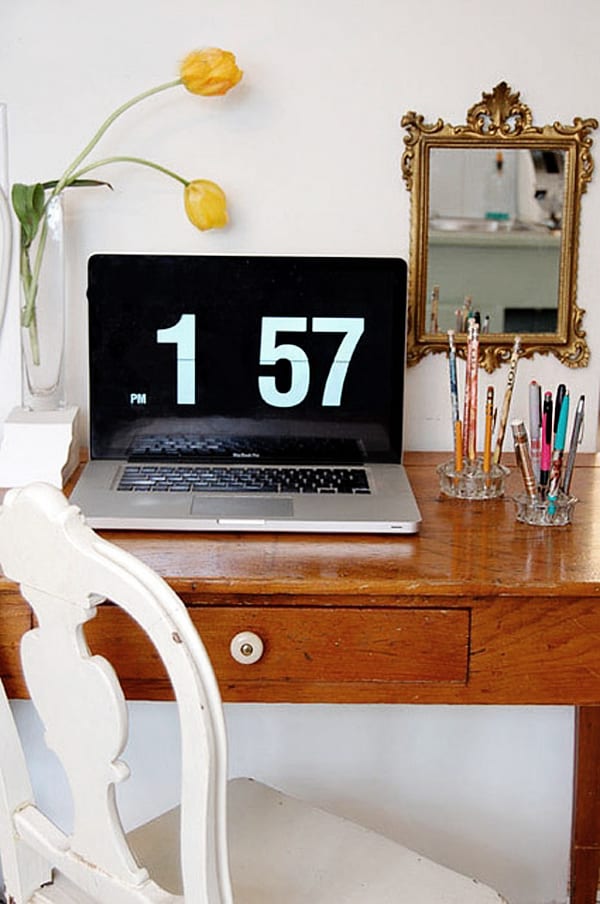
(458, 451)
(466, 397)
(576, 433)
(489, 422)
(535, 426)
(546, 441)
(473, 351)
(510, 382)
(558, 399)
(557, 455)
(456, 424)
(519, 432)
(453, 378)
(470, 400)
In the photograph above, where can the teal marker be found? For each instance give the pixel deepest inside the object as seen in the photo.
(557, 456)
(561, 430)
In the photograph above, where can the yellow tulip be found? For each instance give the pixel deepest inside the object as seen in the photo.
(205, 204)
(210, 71)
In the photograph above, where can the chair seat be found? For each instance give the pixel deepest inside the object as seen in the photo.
(60, 892)
(284, 851)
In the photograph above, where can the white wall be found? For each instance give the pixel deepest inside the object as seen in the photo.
(308, 150)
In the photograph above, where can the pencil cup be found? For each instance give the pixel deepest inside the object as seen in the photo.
(472, 482)
(545, 512)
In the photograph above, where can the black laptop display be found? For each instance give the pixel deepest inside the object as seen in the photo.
(270, 358)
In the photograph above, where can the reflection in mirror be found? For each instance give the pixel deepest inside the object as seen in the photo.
(494, 239)
(495, 230)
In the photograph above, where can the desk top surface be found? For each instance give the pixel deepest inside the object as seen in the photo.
(464, 549)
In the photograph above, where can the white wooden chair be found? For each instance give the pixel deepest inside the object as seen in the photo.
(241, 842)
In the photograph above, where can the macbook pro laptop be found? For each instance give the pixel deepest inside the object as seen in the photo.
(246, 393)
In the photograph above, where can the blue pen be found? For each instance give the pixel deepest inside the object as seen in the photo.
(453, 379)
(557, 457)
(456, 424)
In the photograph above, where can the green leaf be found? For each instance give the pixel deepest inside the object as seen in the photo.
(28, 202)
(79, 183)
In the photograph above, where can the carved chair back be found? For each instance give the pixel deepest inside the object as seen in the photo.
(66, 572)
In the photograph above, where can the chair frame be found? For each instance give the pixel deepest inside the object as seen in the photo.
(80, 571)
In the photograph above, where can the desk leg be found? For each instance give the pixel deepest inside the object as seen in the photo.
(585, 833)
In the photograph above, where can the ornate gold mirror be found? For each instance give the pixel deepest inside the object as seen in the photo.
(495, 230)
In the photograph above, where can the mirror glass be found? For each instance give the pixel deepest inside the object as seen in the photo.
(495, 230)
(494, 239)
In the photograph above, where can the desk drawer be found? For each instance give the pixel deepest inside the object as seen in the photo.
(310, 653)
(339, 645)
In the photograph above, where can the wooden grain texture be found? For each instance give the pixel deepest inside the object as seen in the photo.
(15, 620)
(308, 651)
(532, 596)
(335, 612)
(113, 634)
(464, 549)
(367, 646)
(585, 836)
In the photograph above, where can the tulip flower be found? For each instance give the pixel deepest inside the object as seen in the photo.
(210, 72)
(205, 204)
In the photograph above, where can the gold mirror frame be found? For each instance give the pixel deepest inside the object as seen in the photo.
(498, 121)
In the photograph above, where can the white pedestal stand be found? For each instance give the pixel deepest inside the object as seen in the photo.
(39, 445)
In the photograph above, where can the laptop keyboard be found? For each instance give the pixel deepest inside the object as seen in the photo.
(243, 479)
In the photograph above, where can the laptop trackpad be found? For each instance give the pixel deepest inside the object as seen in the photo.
(210, 507)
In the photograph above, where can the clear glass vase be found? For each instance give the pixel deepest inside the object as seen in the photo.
(5, 217)
(42, 273)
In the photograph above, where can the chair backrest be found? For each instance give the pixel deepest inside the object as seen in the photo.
(66, 571)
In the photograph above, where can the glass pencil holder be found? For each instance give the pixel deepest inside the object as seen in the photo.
(545, 512)
(472, 482)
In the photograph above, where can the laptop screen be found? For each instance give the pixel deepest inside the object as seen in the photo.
(209, 357)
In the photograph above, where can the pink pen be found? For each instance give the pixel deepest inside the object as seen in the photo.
(535, 427)
(473, 354)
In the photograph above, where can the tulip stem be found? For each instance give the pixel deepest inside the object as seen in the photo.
(31, 278)
(120, 159)
(69, 176)
(68, 173)
(31, 217)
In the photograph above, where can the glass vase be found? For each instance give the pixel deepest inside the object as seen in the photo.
(5, 217)
(42, 277)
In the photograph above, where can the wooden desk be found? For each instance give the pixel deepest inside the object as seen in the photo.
(476, 609)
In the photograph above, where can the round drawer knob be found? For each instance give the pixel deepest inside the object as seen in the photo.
(246, 647)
